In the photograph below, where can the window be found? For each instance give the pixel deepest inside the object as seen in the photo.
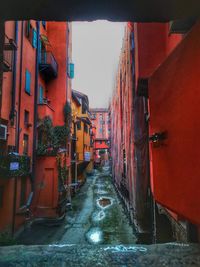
(28, 28)
(23, 192)
(1, 195)
(100, 130)
(85, 128)
(31, 34)
(41, 95)
(44, 24)
(28, 82)
(78, 125)
(25, 144)
(26, 117)
(34, 38)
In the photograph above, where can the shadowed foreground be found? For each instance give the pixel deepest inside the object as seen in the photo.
(168, 255)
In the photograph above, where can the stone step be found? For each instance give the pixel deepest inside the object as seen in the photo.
(168, 255)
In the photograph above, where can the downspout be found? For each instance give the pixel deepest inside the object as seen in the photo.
(20, 85)
(35, 105)
(13, 111)
(2, 34)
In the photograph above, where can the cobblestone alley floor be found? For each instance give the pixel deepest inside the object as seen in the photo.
(97, 217)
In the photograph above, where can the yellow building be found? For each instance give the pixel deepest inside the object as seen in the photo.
(82, 147)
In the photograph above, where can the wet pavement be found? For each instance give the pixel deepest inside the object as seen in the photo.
(96, 232)
(97, 217)
(166, 255)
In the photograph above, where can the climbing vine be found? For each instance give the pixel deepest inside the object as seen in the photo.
(62, 170)
(22, 161)
(50, 138)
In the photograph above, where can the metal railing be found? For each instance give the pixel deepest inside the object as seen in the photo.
(47, 58)
(8, 53)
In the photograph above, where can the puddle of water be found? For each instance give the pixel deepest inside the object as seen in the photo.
(101, 192)
(122, 248)
(98, 216)
(104, 202)
(95, 235)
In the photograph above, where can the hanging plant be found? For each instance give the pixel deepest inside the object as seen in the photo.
(62, 172)
(51, 139)
(60, 135)
(67, 111)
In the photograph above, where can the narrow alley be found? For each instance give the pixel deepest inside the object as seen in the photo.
(99, 135)
(97, 216)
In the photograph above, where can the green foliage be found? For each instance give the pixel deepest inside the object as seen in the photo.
(101, 152)
(60, 136)
(67, 111)
(50, 138)
(62, 172)
(24, 165)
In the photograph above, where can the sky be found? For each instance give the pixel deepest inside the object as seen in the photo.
(96, 49)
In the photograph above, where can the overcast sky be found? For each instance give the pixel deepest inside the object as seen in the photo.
(96, 48)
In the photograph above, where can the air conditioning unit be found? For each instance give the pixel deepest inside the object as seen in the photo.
(3, 132)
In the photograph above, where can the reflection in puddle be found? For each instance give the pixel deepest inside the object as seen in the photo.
(122, 248)
(95, 235)
(104, 202)
(101, 192)
(98, 216)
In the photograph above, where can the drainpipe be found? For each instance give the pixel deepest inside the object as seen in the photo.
(20, 85)
(2, 36)
(14, 113)
(35, 105)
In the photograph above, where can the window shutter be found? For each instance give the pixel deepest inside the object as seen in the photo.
(44, 24)
(34, 38)
(28, 27)
(41, 95)
(28, 82)
(71, 71)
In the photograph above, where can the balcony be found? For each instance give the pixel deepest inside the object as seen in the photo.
(8, 54)
(44, 109)
(48, 66)
(14, 165)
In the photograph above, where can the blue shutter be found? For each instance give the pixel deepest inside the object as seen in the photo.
(28, 82)
(40, 50)
(44, 24)
(34, 38)
(41, 95)
(71, 70)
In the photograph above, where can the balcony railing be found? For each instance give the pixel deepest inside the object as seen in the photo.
(44, 110)
(8, 54)
(14, 165)
(48, 65)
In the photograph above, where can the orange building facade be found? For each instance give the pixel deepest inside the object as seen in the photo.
(36, 100)
(82, 137)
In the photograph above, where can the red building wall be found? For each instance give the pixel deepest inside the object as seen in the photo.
(174, 108)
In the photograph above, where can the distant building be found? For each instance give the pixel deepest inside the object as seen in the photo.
(101, 131)
(82, 146)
